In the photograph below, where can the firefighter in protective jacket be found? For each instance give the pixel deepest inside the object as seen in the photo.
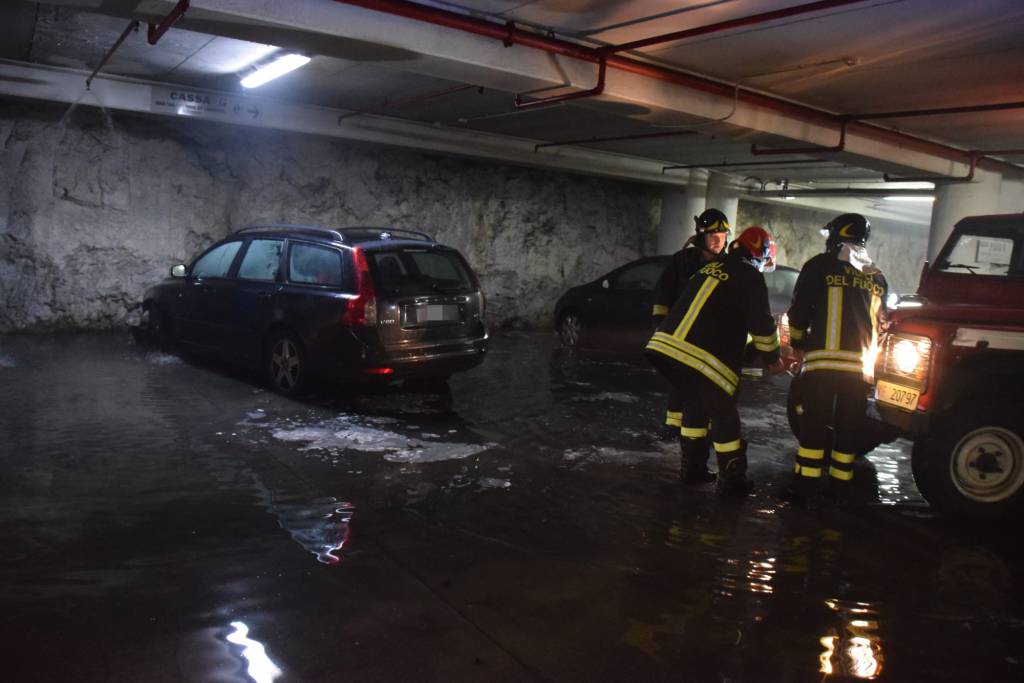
(834, 322)
(711, 234)
(699, 348)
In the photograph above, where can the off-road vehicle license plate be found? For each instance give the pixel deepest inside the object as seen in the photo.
(897, 395)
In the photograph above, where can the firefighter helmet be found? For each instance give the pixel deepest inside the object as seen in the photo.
(712, 220)
(757, 247)
(849, 227)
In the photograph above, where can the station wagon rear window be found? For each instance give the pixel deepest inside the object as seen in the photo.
(419, 271)
(312, 265)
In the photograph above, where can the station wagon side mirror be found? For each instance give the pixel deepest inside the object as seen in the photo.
(178, 270)
(605, 284)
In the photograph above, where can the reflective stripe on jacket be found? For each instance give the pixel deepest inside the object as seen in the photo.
(835, 314)
(706, 328)
(672, 282)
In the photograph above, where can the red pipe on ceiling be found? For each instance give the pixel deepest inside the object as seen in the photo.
(614, 138)
(838, 147)
(426, 96)
(579, 94)
(967, 109)
(510, 35)
(732, 23)
(156, 31)
(132, 26)
(603, 52)
(756, 163)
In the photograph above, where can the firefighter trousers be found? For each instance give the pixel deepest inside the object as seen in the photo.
(701, 401)
(674, 413)
(836, 399)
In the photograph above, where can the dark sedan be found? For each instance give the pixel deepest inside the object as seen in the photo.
(614, 311)
(306, 303)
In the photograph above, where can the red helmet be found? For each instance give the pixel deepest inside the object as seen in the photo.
(757, 246)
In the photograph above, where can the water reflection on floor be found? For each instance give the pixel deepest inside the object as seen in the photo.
(164, 519)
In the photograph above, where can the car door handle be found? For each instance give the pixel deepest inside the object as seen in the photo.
(264, 296)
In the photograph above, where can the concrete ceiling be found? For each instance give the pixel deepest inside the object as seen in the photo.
(782, 83)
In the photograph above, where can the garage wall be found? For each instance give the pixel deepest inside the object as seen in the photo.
(94, 207)
(898, 249)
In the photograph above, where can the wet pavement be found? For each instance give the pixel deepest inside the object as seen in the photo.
(169, 520)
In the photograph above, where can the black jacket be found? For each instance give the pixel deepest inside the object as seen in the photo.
(706, 328)
(834, 317)
(680, 269)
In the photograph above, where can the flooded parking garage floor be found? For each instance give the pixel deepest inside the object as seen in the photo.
(165, 520)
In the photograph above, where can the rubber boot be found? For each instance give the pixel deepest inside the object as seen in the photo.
(804, 491)
(732, 473)
(837, 492)
(668, 432)
(693, 461)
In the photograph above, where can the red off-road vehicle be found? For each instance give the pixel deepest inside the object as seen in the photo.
(950, 371)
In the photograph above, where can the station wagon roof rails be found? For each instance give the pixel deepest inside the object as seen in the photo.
(367, 233)
(312, 230)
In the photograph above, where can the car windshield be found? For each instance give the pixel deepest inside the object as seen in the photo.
(985, 251)
(411, 270)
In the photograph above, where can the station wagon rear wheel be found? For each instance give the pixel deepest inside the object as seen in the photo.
(570, 330)
(286, 366)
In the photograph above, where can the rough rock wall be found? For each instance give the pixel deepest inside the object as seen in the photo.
(898, 249)
(95, 207)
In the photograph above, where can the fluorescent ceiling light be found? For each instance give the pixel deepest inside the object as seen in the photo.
(236, 56)
(907, 198)
(911, 185)
(276, 68)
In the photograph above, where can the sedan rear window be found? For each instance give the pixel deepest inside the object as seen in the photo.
(410, 271)
(642, 277)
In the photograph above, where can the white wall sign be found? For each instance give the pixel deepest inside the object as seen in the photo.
(204, 105)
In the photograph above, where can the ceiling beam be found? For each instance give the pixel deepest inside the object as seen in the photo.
(54, 84)
(454, 54)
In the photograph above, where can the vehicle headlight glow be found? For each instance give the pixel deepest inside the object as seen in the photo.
(906, 355)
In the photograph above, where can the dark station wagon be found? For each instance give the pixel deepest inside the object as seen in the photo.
(308, 303)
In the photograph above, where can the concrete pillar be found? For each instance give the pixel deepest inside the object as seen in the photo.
(1011, 195)
(678, 207)
(723, 194)
(954, 201)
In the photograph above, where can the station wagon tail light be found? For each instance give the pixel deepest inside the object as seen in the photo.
(361, 309)
(379, 371)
